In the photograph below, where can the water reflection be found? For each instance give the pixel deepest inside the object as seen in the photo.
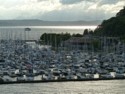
(94, 87)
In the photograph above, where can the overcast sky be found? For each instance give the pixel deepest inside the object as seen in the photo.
(56, 10)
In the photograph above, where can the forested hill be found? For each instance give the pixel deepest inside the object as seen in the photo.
(114, 26)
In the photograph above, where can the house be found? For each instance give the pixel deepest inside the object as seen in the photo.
(83, 43)
(89, 42)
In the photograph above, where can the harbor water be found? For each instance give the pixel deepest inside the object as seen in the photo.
(17, 32)
(89, 87)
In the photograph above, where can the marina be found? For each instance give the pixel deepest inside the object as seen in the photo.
(62, 46)
(22, 61)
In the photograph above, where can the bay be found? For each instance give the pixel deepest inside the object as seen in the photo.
(18, 32)
(89, 87)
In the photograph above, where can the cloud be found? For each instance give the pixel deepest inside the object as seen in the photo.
(86, 10)
(73, 13)
(60, 9)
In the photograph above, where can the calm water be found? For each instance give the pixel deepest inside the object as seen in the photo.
(17, 32)
(96, 87)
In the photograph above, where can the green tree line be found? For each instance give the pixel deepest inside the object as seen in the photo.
(55, 39)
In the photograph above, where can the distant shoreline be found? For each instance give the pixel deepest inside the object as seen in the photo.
(68, 26)
(47, 23)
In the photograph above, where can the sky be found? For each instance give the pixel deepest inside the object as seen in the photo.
(60, 10)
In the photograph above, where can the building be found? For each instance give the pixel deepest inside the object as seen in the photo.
(89, 42)
(81, 43)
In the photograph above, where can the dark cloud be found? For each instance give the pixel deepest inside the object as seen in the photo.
(100, 2)
(70, 1)
(41, 0)
(105, 2)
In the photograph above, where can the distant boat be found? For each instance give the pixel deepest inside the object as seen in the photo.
(27, 29)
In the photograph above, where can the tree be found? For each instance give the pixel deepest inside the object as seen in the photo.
(86, 31)
(121, 12)
(114, 27)
(91, 32)
(77, 35)
(54, 39)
